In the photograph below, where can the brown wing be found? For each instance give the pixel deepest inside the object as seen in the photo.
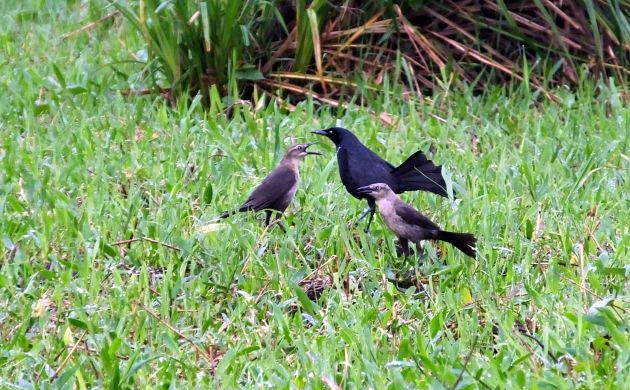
(273, 192)
(414, 217)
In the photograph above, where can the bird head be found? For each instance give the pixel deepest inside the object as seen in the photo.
(336, 134)
(300, 150)
(376, 190)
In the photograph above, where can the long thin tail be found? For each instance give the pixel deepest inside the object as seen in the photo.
(229, 213)
(465, 242)
(419, 173)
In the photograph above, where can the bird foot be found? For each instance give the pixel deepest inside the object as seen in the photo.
(399, 250)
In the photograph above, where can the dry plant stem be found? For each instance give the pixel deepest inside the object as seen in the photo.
(563, 15)
(257, 244)
(332, 258)
(91, 25)
(417, 38)
(65, 361)
(541, 345)
(286, 45)
(330, 383)
(152, 240)
(201, 351)
(461, 373)
(383, 117)
(359, 31)
(583, 285)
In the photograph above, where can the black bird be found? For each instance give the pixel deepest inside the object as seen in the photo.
(408, 224)
(359, 166)
(276, 192)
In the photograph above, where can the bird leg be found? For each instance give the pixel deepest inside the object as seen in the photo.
(365, 213)
(268, 214)
(422, 254)
(367, 229)
(370, 210)
(402, 247)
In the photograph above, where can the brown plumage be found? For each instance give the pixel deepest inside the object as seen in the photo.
(277, 190)
(408, 224)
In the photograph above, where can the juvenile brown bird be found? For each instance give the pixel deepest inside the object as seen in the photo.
(277, 190)
(409, 225)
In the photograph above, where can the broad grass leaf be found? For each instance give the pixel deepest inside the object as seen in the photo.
(66, 379)
(207, 194)
(249, 73)
(78, 323)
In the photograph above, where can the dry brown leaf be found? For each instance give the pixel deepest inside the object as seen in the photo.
(42, 305)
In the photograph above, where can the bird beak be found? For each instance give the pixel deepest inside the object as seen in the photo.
(365, 190)
(308, 145)
(320, 132)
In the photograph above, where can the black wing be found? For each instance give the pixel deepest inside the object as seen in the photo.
(414, 217)
(275, 192)
(359, 166)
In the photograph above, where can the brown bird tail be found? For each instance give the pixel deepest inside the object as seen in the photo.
(419, 173)
(465, 242)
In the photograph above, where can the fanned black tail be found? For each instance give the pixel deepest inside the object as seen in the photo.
(465, 242)
(419, 173)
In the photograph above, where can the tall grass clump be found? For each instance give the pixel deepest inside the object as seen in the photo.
(193, 46)
(329, 51)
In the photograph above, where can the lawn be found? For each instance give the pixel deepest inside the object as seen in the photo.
(114, 272)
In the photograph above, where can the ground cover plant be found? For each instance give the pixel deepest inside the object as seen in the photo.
(112, 273)
(330, 50)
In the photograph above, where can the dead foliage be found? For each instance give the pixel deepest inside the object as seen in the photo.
(330, 51)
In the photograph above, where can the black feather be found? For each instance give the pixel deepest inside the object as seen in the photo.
(419, 173)
(465, 242)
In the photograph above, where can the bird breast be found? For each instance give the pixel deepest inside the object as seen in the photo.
(293, 190)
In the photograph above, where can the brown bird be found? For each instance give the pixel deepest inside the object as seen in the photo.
(276, 192)
(408, 224)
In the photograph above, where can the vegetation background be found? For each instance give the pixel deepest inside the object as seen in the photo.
(128, 126)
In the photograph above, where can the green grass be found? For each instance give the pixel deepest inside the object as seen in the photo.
(545, 188)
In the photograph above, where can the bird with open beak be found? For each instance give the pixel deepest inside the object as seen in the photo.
(408, 224)
(277, 190)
